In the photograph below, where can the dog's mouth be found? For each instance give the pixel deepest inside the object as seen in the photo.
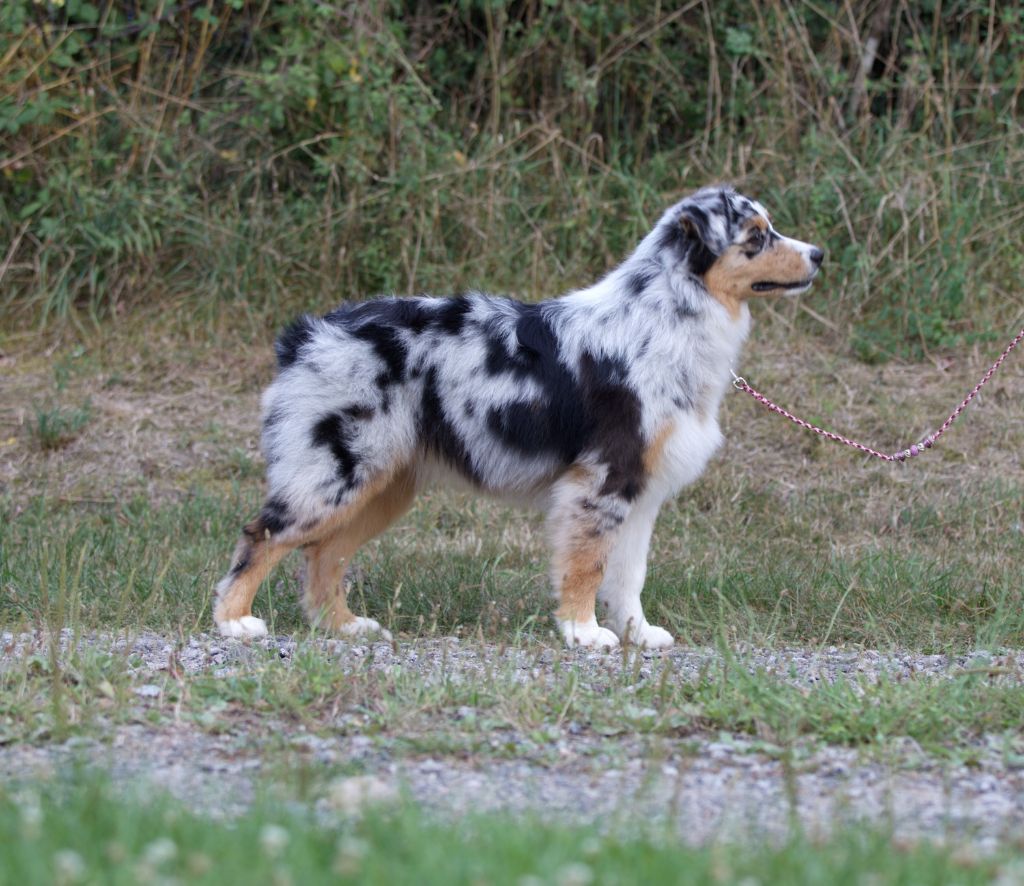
(770, 285)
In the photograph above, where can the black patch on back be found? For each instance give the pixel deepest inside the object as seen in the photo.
(400, 313)
(388, 345)
(417, 315)
(451, 316)
(291, 341)
(335, 431)
(413, 315)
(536, 427)
(598, 412)
(383, 321)
(531, 345)
(437, 433)
(378, 322)
(556, 423)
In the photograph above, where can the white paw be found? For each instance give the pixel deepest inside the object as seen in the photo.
(651, 637)
(359, 626)
(246, 626)
(588, 634)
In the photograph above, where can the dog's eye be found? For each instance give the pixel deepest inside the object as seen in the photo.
(756, 238)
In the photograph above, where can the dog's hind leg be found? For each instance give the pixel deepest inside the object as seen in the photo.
(328, 559)
(583, 524)
(259, 550)
(623, 582)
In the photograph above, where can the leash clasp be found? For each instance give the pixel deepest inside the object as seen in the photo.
(738, 381)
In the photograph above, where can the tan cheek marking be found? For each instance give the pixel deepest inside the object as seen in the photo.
(729, 279)
(779, 264)
(725, 280)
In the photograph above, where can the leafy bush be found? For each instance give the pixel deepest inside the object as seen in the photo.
(293, 154)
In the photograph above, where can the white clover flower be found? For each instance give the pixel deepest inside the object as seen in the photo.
(68, 866)
(574, 874)
(1010, 874)
(273, 840)
(31, 820)
(351, 796)
(199, 864)
(349, 856)
(159, 852)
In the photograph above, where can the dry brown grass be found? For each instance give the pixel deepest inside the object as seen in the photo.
(173, 409)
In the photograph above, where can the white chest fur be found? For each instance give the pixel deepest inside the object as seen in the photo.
(688, 449)
(695, 434)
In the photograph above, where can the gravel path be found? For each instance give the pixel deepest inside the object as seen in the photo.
(707, 786)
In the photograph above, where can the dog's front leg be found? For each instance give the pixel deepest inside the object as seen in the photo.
(624, 578)
(583, 524)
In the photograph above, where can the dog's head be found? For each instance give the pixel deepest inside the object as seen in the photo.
(727, 240)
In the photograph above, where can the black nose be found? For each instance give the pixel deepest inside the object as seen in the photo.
(817, 256)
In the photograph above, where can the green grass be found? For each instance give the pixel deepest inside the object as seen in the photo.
(79, 831)
(779, 576)
(55, 426)
(89, 690)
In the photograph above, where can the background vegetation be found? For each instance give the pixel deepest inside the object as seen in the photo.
(178, 176)
(262, 157)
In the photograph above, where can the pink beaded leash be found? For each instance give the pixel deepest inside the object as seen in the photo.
(903, 454)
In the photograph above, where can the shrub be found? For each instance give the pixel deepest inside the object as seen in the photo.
(289, 154)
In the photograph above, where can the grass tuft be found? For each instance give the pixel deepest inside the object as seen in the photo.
(56, 426)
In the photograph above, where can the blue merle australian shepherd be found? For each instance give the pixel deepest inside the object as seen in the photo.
(596, 407)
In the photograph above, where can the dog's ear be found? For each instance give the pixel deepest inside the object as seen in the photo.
(694, 222)
(702, 247)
